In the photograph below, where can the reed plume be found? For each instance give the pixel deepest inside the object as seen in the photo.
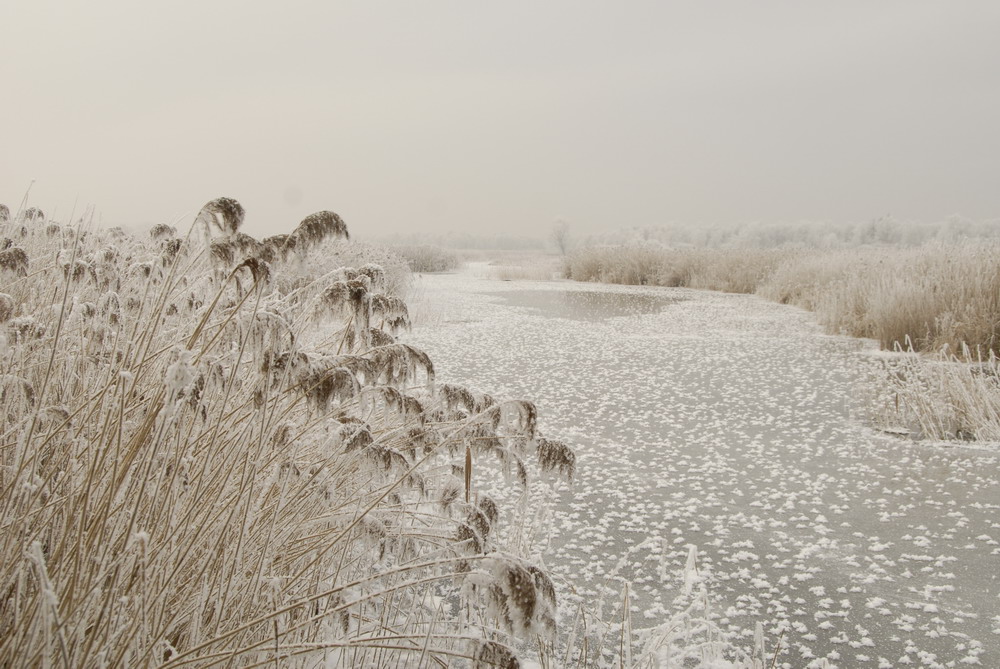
(33, 215)
(198, 464)
(223, 214)
(318, 227)
(14, 260)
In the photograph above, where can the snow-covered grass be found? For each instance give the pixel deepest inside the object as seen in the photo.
(728, 270)
(930, 297)
(213, 450)
(428, 258)
(939, 396)
(939, 299)
(886, 231)
(525, 267)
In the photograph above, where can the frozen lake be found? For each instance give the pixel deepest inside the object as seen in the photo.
(731, 423)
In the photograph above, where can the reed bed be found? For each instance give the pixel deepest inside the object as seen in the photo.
(428, 258)
(943, 397)
(942, 300)
(214, 451)
(524, 267)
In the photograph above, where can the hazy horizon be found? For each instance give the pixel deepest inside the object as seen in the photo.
(451, 116)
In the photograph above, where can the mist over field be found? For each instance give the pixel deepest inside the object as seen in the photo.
(500, 120)
(531, 335)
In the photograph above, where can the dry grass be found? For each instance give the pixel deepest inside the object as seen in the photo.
(521, 266)
(884, 231)
(939, 299)
(709, 269)
(213, 451)
(428, 258)
(932, 296)
(534, 272)
(939, 397)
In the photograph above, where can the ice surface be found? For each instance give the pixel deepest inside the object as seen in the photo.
(732, 424)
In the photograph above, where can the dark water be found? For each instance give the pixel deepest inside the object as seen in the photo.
(585, 305)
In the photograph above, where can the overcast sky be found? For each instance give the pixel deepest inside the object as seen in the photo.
(502, 116)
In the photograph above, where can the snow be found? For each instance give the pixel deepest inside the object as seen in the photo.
(732, 424)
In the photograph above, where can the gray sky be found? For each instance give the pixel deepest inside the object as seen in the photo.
(503, 116)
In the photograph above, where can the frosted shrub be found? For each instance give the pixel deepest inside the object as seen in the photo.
(427, 258)
(213, 449)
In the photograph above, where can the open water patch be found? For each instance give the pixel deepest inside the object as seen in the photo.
(586, 305)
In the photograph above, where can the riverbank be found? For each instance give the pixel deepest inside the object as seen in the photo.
(213, 449)
(735, 425)
(939, 300)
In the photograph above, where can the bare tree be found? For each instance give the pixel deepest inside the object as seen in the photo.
(560, 235)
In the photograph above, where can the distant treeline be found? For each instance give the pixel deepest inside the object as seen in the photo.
(884, 231)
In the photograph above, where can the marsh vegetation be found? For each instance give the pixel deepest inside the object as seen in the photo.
(223, 450)
(938, 299)
(214, 450)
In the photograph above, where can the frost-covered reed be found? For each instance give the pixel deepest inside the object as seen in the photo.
(733, 271)
(523, 267)
(428, 258)
(940, 396)
(931, 296)
(214, 451)
(939, 299)
(883, 231)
